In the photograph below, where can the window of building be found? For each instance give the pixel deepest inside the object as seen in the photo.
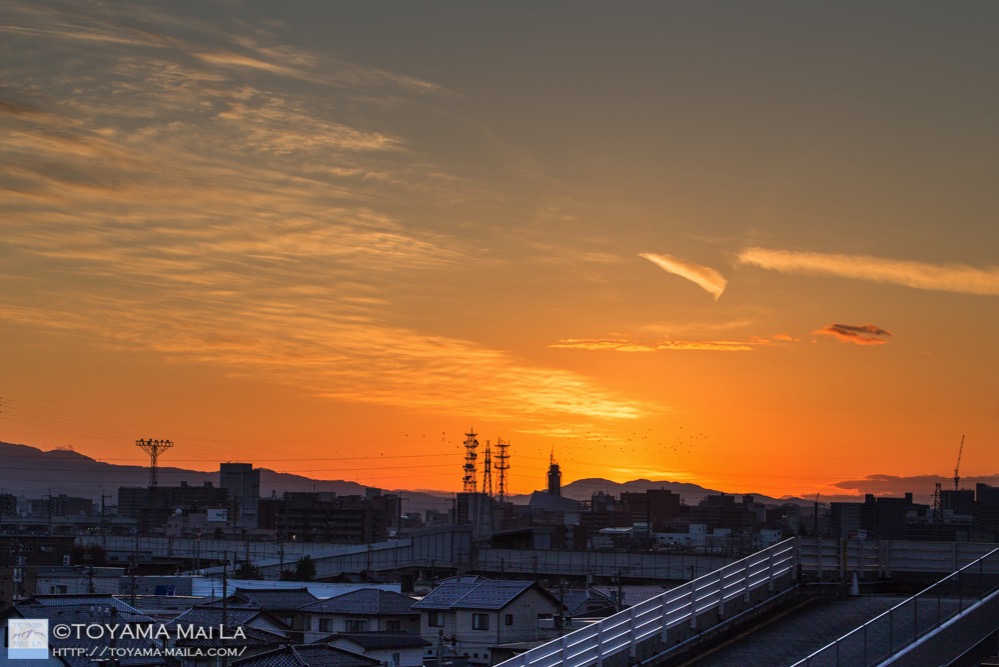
(435, 619)
(480, 621)
(393, 626)
(508, 619)
(326, 625)
(355, 625)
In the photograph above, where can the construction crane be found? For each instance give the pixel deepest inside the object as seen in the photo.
(957, 477)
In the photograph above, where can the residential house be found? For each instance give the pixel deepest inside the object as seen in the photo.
(473, 614)
(285, 604)
(393, 649)
(245, 627)
(363, 610)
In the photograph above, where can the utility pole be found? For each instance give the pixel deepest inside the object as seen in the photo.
(104, 521)
(223, 660)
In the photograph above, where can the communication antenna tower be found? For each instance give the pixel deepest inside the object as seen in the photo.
(487, 471)
(154, 448)
(502, 466)
(468, 481)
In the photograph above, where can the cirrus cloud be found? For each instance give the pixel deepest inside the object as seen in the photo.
(704, 277)
(959, 278)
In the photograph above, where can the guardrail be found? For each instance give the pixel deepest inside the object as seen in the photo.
(680, 609)
(894, 630)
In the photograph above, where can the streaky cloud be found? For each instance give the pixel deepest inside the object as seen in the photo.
(865, 334)
(625, 345)
(959, 278)
(704, 277)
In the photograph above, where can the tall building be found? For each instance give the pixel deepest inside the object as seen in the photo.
(242, 482)
(152, 506)
(327, 517)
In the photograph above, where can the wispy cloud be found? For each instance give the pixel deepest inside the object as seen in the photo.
(628, 345)
(211, 210)
(704, 277)
(865, 334)
(958, 278)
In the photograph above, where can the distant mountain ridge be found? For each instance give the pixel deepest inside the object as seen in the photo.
(26, 470)
(34, 473)
(29, 471)
(584, 489)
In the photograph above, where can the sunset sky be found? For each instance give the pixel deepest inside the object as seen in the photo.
(752, 246)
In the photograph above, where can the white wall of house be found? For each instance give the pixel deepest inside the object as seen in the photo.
(516, 622)
(319, 626)
(392, 657)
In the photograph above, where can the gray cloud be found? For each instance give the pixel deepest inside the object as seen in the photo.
(864, 334)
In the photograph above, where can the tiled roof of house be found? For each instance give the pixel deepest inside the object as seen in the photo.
(486, 594)
(365, 602)
(380, 640)
(245, 635)
(94, 603)
(212, 616)
(445, 595)
(307, 655)
(82, 609)
(277, 599)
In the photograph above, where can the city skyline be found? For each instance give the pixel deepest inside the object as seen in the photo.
(748, 247)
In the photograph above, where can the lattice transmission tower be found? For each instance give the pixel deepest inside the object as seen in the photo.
(469, 485)
(154, 448)
(502, 465)
(487, 470)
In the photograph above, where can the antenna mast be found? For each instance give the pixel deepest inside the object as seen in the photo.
(468, 481)
(957, 477)
(154, 448)
(502, 466)
(487, 471)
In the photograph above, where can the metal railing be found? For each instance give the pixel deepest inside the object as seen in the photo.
(890, 632)
(678, 607)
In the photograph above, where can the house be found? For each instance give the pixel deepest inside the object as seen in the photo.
(628, 596)
(363, 610)
(393, 649)
(282, 603)
(246, 628)
(587, 603)
(475, 614)
(307, 655)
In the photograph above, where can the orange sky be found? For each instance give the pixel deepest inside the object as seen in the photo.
(752, 248)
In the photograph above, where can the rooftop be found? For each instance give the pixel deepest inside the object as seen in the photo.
(307, 655)
(485, 594)
(366, 602)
